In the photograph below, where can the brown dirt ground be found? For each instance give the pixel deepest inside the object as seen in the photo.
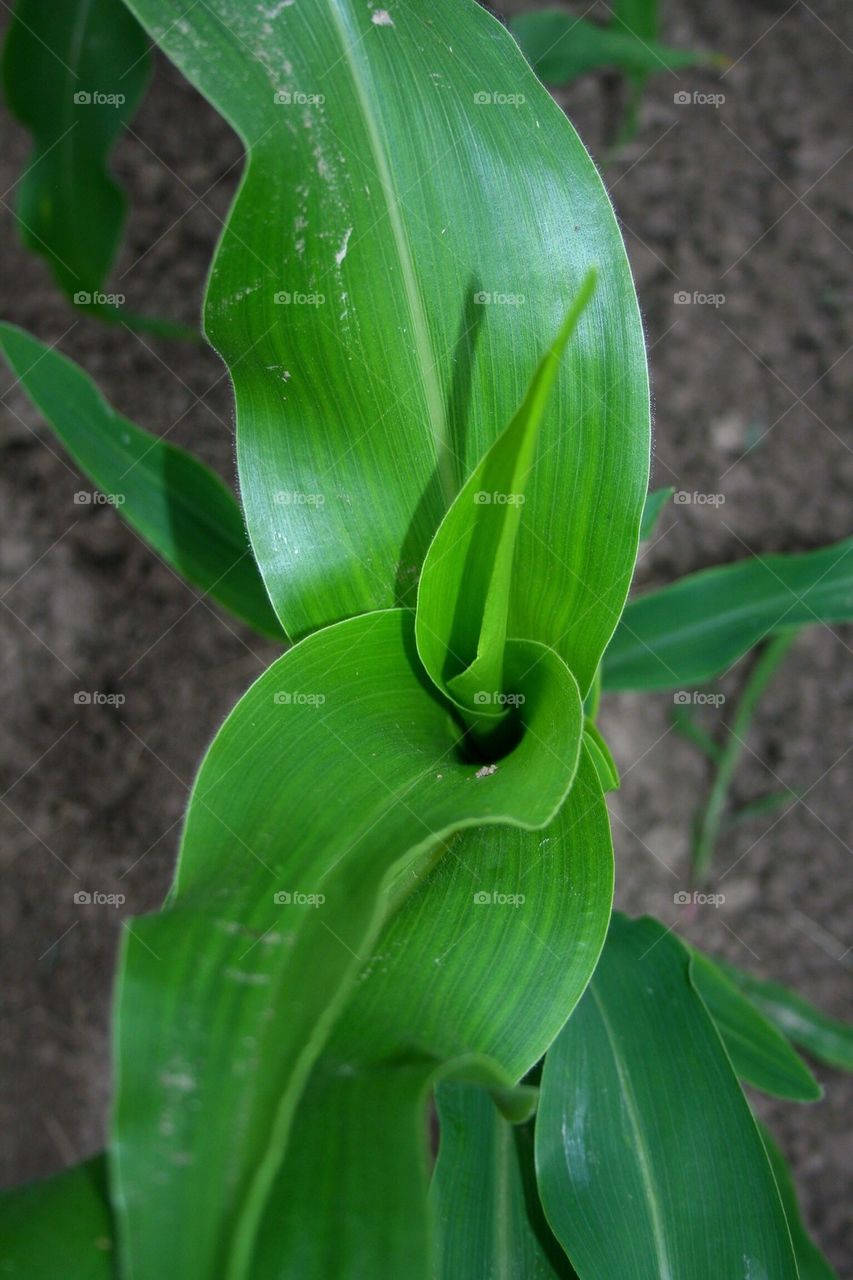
(751, 200)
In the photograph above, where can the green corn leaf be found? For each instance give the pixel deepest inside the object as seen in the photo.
(811, 1263)
(478, 1193)
(604, 763)
(179, 506)
(760, 1054)
(487, 956)
(226, 997)
(827, 1039)
(656, 500)
(561, 47)
(60, 1226)
(644, 1140)
(764, 805)
(683, 722)
(710, 817)
(414, 305)
(382, 1223)
(639, 16)
(467, 582)
(533, 906)
(74, 72)
(694, 629)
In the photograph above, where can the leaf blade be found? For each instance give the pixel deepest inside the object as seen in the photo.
(562, 47)
(633, 1178)
(180, 507)
(44, 1224)
(468, 579)
(760, 1054)
(693, 630)
(827, 1039)
(70, 208)
(387, 788)
(331, 398)
(487, 1234)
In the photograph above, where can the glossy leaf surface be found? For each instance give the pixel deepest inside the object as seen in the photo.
(644, 1140)
(487, 956)
(478, 1192)
(469, 579)
(414, 305)
(265, 979)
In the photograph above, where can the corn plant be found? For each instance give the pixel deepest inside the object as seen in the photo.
(393, 893)
(563, 46)
(74, 74)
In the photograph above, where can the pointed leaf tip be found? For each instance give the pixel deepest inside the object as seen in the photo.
(467, 583)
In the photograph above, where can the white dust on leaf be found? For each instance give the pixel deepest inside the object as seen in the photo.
(342, 252)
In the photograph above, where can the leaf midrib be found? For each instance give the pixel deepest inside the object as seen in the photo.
(640, 1146)
(420, 329)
